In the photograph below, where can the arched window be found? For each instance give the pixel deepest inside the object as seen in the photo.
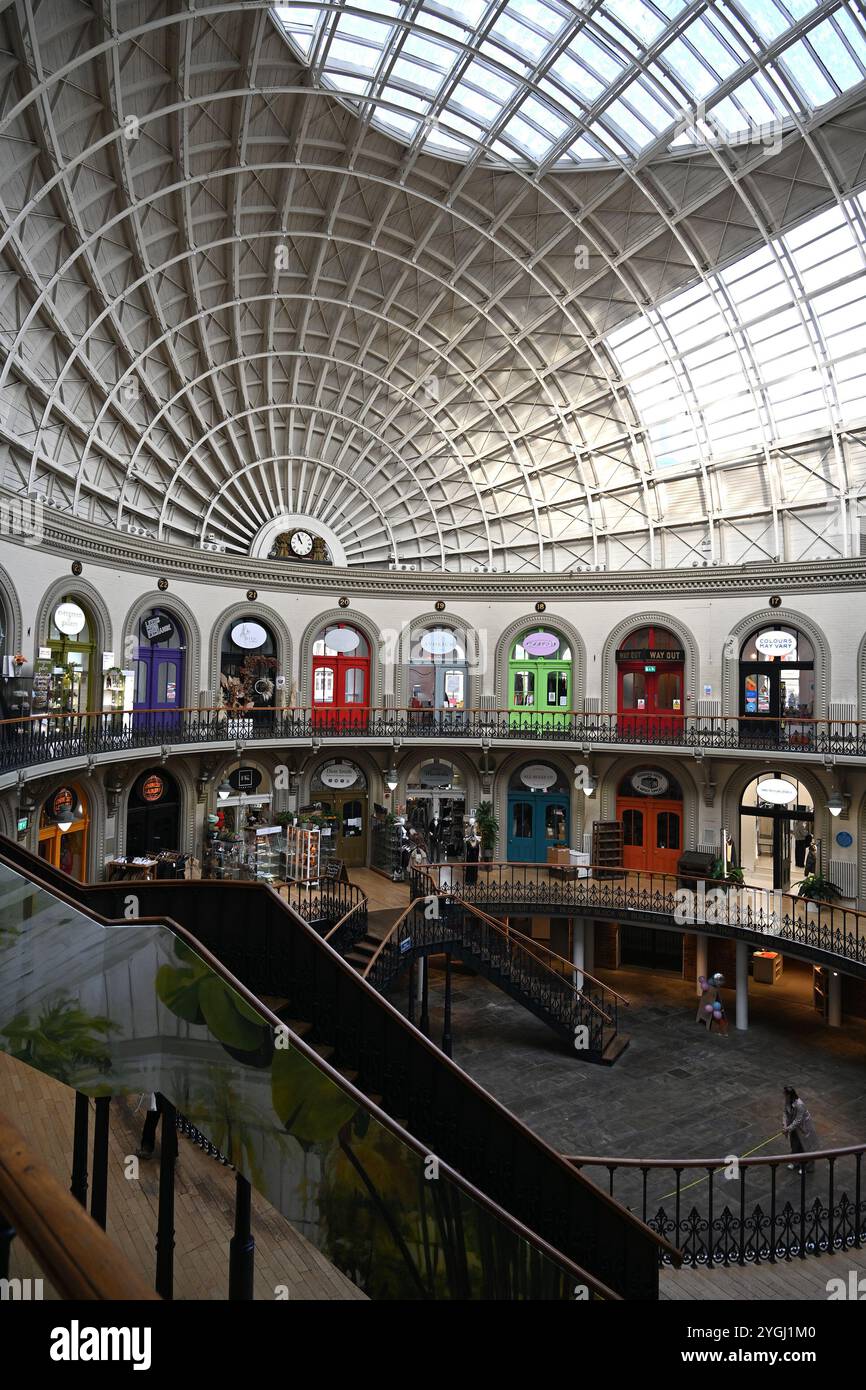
(64, 824)
(436, 675)
(650, 679)
(159, 667)
(341, 677)
(248, 665)
(74, 681)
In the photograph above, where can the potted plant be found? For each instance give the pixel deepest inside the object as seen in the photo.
(817, 889)
(488, 829)
(726, 876)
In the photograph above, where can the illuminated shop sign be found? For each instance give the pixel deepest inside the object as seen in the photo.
(540, 643)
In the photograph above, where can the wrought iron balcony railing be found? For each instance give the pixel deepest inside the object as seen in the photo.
(49, 737)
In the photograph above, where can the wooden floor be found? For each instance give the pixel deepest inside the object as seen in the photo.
(788, 1280)
(380, 891)
(42, 1109)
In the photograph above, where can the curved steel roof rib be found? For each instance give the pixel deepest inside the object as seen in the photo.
(513, 285)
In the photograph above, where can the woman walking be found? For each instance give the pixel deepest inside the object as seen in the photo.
(797, 1124)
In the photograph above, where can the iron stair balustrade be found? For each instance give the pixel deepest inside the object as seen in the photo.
(508, 962)
(48, 738)
(271, 951)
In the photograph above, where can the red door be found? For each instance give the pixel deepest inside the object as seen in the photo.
(340, 691)
(650, 706)
(652, 833)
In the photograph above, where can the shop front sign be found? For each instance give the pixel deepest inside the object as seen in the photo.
(152, 788)
(245, 779)
(776, 792)
(540, 643)
(438, 642)
(249, 636)
(775, 643)
(650, 783)
(651, 654)
(69, 619)
(159, 628)
(342, 639)
(436, 775)
(538, 777)
(338, 775)
(64, 799)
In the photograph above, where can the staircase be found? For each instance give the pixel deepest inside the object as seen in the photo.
(585, 1020)
(536, 1227)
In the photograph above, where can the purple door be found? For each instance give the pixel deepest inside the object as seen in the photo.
(159, 673)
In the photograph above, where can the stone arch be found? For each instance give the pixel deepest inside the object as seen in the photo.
(376, 790)
(268, 616)
(93, 789)
(506, 770)
(171, 604)
(861, 853)
(411, 757)
(770, 617)
(352, 619)
(676, 768)
(475, 643)
(92, 598)
(861, 678)
(182, 774)
(745, 773)
(509, 636)
(12, 604)
(691, 673)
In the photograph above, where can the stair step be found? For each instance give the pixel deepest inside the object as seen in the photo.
(614, 1049)
(374, 1098)
(348, 1074)
(355, 959)
(324, 1050)
(273, 1002)
(299, 1026)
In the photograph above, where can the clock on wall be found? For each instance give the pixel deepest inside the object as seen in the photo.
(300, 545)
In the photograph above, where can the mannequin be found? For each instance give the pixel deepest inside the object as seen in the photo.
(434, 830)
(472, 854)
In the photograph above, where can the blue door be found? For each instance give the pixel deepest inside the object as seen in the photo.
(537, 822)
(159, 672)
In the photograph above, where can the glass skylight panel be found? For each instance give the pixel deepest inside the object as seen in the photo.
(419, 45)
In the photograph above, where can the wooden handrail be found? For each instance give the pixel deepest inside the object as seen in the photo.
(346, 915)
(74, 1254)
(764, 1160)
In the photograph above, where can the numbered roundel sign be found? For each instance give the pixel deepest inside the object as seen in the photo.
(152, 788)
(540, 643)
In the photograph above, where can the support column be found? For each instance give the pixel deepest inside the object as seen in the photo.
(446, 1022)
(742, 985)
(78, 1187)
(242, 1246)
(589, 947)
(702, 955)
(99, 1191)
(410, 1011)
(577, 950)
(165, 1208)
(834, 1004)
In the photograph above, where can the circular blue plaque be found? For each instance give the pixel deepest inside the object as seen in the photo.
(845, 839)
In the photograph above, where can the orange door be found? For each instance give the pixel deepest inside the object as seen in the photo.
(652, 833)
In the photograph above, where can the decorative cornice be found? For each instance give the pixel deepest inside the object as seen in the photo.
(82, 540)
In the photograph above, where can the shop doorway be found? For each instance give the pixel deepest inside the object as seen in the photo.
(436, 806)
(650, 678)
(436, 677)
(74, 685)
(652, 949)
(153, 815)
(539, 682)
(248, 672)
(649, 807)
(341, 678)
(159, 670)
(777, 682)
(776, 837)
(539, 816)
(64, 825)
(339, 790)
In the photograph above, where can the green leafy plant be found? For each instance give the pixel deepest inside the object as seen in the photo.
(488, 827)
(64, 1041)
(733, 876)
(192, 992)
(818, 888)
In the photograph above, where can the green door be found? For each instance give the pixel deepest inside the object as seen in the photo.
(539, 694)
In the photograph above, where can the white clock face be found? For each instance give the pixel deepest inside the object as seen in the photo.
(302, 542)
